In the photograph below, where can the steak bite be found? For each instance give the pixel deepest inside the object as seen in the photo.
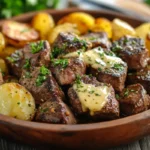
(68, 42)
(55, 111)
(106, 67)
(41, 84)
(33, 54)
(96, 99)
(97, 39)
(142, 76)
(132, 50)
(134, 99)
(65, 70)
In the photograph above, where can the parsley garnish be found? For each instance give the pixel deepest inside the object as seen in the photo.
(42, 75)
(83, 42)
(116, 47)
(78, 79)
(126, 93)
(27, 64)
(28, 75)
(62, 62)
(36, 47)
(118, 67)
(12, 60)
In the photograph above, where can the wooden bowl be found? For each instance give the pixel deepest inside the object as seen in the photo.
(82, 136)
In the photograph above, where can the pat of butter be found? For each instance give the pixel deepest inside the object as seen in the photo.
(92, 98)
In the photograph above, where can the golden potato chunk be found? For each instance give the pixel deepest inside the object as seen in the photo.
(3, 67)
(2, 42)
(121, 28)
(103, 24)
(43, 22)
(83, 21)
(18, 34)
(143, 30)
(16, 101)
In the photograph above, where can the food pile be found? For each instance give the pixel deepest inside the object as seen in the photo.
(79, 69)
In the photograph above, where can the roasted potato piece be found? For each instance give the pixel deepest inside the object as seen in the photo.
(2, 42)
(83, 21)
(18, 34)
(16, 101)
(66, 27)
(3, 67)
(147, 41)
(121, 28)
(103, 24)
(143, 30)
(43, 22)
(7, 51)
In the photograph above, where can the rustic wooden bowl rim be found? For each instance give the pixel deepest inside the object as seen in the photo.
(76, 127)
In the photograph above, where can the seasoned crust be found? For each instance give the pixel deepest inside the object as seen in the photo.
(109, 111)
(134, 99)
(132, 50)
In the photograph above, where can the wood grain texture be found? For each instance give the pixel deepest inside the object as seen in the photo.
(143, 144)
(85, 136)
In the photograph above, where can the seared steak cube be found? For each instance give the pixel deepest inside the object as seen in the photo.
(142, 76)
(68, 42)
(66, 70)
(1, 78)
(55, 111)
(97, 39)
(88, 96)
(41, 84)
(134, 99)
(106, 67)
(33, 54)
(132, 50)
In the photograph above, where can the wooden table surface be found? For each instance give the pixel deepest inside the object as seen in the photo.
(143, 144)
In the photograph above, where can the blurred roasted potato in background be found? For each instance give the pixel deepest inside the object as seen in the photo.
(147, 42)
(103, 24)
(18, 34)
(3, 67)
(66, 27)
(143, 30)
(43, 22)
(83, 21)
(7, 51)
(16, 101)
(2, 42)
(121, 28)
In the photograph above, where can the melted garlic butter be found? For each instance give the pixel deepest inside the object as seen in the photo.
(92, 98)
(96, 58)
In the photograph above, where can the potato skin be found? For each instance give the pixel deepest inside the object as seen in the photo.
(121, 28)
(103, 24)
(16, 101)
(7, 51)
(2, 42)
(3, 67)
(43, 22)
(66, 27)
(19, 34)
(83, 21)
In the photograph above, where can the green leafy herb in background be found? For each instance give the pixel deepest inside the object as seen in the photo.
(9, 8)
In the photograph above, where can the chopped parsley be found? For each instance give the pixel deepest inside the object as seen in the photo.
(117, 96)
(42, 76)
(126, 93)
(109, 53)
(78, 79)
(27, 64)
(116, 48)
(118, 67)
(36, 47)
(99, 69)
(44, 110)
(12, 60)
(83, 42)
(62, 62)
